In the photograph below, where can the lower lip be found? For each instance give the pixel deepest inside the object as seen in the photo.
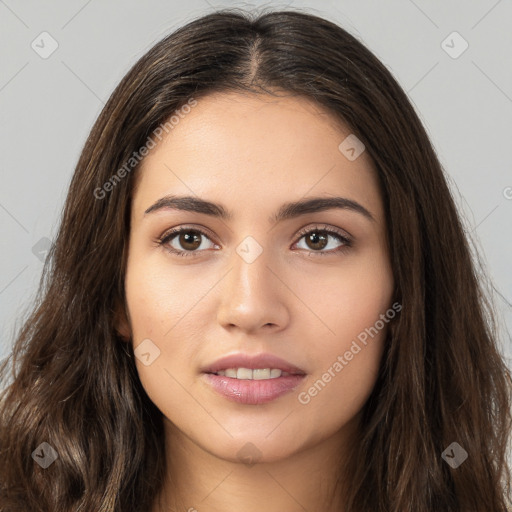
(253, 392)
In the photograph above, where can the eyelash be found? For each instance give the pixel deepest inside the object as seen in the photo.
(169, 235)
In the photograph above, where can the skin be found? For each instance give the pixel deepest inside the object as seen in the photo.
(252, 153)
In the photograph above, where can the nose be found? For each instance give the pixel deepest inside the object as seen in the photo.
(253, 296)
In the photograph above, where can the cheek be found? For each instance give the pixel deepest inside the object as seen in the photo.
(165, 310)
(335, 396)
(354, 309)
(346, 363)
(160, 296)
(347, 298)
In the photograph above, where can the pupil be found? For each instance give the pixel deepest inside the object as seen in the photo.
(189, 239)
(315, 237)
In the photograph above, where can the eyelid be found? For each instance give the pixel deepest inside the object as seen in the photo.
(185, 227)
(325, 227)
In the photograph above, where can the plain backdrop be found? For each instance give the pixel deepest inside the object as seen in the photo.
(460, 85)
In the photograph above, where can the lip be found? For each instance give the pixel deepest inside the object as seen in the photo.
(252, 392)
(263, 360)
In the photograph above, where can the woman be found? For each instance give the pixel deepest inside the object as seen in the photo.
(258, 201)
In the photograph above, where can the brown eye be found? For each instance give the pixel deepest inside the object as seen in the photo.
(184, 241)
(189, 240)
(316, 241)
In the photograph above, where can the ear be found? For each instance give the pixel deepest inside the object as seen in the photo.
(121, 322)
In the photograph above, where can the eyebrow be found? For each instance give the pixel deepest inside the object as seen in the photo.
(286, 211)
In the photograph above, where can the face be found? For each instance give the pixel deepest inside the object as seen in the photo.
(307, 288)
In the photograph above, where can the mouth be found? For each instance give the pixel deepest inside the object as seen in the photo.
(252, 380)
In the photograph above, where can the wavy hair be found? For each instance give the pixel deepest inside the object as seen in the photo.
(442, 377)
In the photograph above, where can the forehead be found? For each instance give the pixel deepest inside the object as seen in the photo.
(253, 150)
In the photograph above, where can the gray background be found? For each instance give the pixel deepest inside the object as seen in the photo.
(48, 106)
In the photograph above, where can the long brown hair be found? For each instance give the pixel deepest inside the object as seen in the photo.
(442, 379)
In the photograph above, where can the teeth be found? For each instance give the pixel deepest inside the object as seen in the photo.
(244, 373)
(249, 374)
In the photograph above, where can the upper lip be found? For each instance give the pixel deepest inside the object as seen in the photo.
(252, 362)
